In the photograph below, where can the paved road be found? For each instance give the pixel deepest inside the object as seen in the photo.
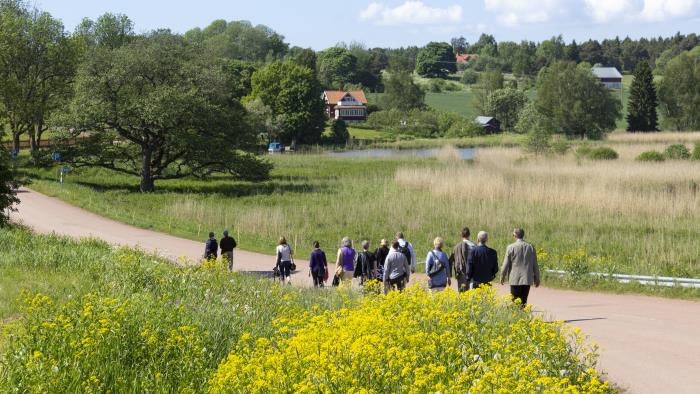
(650, 345)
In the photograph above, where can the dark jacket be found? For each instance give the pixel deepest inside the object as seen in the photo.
(380, 257)
(211, 249)
(317, 261)
(364, 265)
(227, 244)
(482, 265)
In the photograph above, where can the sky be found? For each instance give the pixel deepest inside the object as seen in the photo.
(394, 23)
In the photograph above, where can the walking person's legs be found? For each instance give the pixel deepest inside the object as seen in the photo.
(229, 257)
(286, 267)
(520, 292)
(462, 283)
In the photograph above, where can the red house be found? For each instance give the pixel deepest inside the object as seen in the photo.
(347, 106)
(464, 58)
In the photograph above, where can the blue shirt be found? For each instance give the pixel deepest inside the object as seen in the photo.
(439, 279)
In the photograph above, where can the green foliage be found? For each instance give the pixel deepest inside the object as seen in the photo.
(538, 141)
(469, 77)
(576, 102)
(109, 31)
(641, 108)
(696, 152)
(530, 118)
(293, 94)
(239, 40)
(677, 152)
(560, 146)
(488, 82)
(8, 187)
(339, 132)
(401, 92)
(422, 123)
(651, 156)
(506, 105)
(602, 153)
(679, 92)
(304, 57)
(336, 68)
(436, 60)
(158, 108)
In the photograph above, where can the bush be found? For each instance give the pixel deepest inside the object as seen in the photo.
(599, 153)
(677, 152)
(651, 155)
(696, 152)
(469, 77)
(560, 146)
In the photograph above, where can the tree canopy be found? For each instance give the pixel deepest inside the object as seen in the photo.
(401, 91)
(336, 68)
(160, 108)
(679, 92)
(505, 105)
(576, 102)
(641, 112)
(436, 60)
(240, 40)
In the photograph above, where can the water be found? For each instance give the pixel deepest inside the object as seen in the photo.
(464, 153)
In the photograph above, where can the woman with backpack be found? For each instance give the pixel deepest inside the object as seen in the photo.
(345, 260)
(437, 266)
(284, 260)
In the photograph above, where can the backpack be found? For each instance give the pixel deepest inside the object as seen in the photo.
(404, 250)
(437, 267)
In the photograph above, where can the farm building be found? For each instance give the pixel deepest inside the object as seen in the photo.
(464, 58)
(348, 106)
(608, 76)
(490, 124)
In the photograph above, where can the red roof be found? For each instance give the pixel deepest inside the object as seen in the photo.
(465, 57)
(334, 96)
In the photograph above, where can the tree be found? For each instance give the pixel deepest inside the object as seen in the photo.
(294, 95)
(551, 50)
(641, 108)
(8, 186)
(336, 67)
(401, 91)
(304, 57)
(459, 45)
(488, 82)
(159, 108)
(505, 105)
(679, 92)
(37, 64)
(240, 40)
(576, 102)
(436, 60)
(339, 132)
(109, 30)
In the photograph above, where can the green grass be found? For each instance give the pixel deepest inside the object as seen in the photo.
(368, 134)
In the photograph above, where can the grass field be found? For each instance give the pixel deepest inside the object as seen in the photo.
(627, 217)
(95, 319)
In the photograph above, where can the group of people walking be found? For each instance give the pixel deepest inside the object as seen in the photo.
(227, 245)
(472, 265)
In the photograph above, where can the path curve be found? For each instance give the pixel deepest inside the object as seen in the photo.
(649, 345)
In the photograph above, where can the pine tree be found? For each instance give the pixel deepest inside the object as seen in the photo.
(641, 115)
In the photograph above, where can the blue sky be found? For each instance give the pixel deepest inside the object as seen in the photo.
(393, 23)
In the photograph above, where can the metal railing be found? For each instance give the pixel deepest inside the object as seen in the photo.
(642, 279)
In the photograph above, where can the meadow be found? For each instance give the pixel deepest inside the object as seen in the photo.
(627, 216)
(90, 318)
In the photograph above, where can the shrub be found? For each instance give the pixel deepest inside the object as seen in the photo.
(696, 152)
(677, 152)
(560, 146)
(651, 155)
(469, 77)
(603, 153)
(462, 337)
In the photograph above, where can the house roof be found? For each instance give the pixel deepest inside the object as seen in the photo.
(334, 96)
(606, 72)
(484, 120)
(464, 57)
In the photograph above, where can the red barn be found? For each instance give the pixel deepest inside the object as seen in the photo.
(349, 106)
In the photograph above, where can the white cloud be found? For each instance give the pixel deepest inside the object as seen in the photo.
(660, 10)
(607, 10)
(411, 13)
(516, 12)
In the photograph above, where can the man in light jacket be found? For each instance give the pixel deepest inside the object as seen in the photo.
(520, 266)
(458, 260)
(397, 270)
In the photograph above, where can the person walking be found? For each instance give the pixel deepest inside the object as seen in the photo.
(318, 266)
(380, 257)
(345, 260)
(482, 264)
(397, 270)
(365, 264)
(227, 245)
(437, 266)
(458, 259)
(211, 248)
(406, 248)
(520, 266)
(284, 260)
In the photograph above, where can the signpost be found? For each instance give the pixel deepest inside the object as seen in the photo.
(64, 170)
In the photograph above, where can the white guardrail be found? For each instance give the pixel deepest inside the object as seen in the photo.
(642, 279)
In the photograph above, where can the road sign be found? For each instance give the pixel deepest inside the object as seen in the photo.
(56, 156)
(65, 169)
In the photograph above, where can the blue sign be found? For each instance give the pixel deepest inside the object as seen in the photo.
(56, 156)
(65, 169)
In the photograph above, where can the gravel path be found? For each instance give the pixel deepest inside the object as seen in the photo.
(649, 345)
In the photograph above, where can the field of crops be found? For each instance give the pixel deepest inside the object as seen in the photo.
(90, 318)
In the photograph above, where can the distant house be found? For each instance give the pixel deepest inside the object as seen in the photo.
(490, 124)
(350, 106)
(608, 76)
(464, 58)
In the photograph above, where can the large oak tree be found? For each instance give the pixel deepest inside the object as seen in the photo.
(160, 108)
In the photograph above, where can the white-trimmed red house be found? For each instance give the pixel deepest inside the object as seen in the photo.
(349, 106)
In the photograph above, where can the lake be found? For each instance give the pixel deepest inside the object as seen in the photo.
(464, 153)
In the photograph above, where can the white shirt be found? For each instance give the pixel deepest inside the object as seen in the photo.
(285, 251)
